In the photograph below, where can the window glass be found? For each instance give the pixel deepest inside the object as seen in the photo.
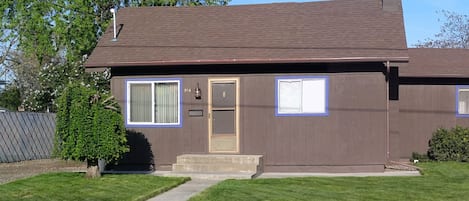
(463, 101)
(166, 102)
(140, 102)
(314, 96)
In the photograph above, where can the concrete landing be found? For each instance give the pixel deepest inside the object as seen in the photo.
(186, 190)
(206, 175)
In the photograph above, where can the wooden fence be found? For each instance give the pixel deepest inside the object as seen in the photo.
(26, 136)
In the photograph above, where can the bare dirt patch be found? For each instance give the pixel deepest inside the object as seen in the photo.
(19, 170)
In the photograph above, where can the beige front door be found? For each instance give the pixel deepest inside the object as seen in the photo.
(223, 115)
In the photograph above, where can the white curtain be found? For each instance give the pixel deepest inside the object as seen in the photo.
(166, 102)
(140, 102)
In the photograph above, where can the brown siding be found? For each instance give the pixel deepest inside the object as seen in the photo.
(353, 135)
(423, 109)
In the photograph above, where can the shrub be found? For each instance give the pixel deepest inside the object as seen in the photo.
(450, 145)
(89, 127)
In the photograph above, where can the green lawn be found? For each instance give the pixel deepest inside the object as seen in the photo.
(440, 181)
(73, 186)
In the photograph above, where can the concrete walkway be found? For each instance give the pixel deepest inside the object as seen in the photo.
(363, 174)
(186, 190)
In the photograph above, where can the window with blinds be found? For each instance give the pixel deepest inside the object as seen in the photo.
(306, 96)
(154, 102)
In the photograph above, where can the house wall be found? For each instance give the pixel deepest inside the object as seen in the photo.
(423, 108)
(351, 138)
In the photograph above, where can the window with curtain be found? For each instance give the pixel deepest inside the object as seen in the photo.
(302, 96)
(463, 101)
(153, 102)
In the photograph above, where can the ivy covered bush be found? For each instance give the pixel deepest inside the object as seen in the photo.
(450, 145)
(89, 127)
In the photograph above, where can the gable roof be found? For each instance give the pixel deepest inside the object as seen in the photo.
(344, 30)
(437, 62)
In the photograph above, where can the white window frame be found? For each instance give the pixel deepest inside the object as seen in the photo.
(459, 89)
(152, 82)
(301, 79)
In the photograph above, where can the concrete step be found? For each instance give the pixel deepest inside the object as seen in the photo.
(218, 159)
(212, 167)
(223, 164)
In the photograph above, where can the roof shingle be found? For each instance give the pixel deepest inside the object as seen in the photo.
(437, 62)
(282, 32)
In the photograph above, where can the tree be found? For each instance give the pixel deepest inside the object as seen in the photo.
(10, 98)
(89, 128)
(454, 33)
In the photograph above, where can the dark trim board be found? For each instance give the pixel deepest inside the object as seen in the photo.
(433, 81)
(251, 69)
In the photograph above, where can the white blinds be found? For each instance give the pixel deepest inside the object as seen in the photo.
(289, 92)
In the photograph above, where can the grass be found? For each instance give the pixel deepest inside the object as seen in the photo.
(440, 181)
(73, 186)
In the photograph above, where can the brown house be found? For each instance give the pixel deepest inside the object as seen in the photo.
(320, 86)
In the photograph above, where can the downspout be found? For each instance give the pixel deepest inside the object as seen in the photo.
(387, 110)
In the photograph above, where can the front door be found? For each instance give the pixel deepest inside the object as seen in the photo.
(223, 115)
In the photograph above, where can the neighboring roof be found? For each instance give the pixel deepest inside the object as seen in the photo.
(343, 30)
(437, 62)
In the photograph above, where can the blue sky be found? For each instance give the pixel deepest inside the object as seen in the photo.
(422, 18)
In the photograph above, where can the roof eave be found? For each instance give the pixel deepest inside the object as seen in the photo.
(246, 61)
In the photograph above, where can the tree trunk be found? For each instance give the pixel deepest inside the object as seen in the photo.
(92, 170)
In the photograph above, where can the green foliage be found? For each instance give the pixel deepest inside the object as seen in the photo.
(89, 126)
(10, 98)
(450, 145)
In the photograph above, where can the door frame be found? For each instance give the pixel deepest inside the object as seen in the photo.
(209, 113)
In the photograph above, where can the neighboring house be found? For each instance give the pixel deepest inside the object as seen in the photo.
(310, 86)
(433, 93)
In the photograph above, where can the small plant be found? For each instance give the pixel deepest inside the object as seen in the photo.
(450, 145)
(419, 157)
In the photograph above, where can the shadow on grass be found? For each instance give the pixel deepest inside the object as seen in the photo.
(140, 157)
